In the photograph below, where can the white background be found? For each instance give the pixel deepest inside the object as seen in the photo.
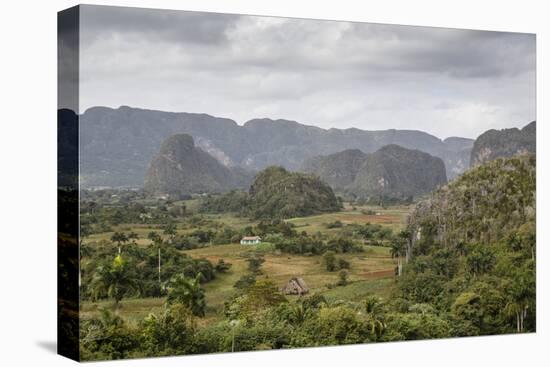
(28, 182)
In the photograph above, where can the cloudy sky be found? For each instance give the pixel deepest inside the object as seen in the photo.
(446, 82)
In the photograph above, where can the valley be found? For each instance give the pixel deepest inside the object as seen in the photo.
(372, 271)
(349, 247)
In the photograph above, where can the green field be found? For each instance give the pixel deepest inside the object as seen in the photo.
(371, 271)
(392, 217)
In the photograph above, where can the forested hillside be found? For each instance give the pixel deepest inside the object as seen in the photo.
(471, 249)
(277, 193)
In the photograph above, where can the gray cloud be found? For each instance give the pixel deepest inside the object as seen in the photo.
(155, 24)
(324, 73)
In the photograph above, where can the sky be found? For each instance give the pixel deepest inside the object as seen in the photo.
(331, 74)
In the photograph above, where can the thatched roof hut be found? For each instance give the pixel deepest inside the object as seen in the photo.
(295, 286)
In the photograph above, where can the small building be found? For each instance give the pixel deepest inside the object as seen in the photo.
(251, 240)
(295, 286)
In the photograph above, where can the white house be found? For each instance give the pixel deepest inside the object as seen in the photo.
(251, 240)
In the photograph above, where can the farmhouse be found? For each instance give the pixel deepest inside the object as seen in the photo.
(295, 286)
(251, 240)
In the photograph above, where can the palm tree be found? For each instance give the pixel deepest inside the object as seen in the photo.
(119, 238)
(115, 281)
(521, 295)
(480, 260)
(405, 235)
(375, 317)
(298, 313)
(398, 248)
(154, 237)
(170, 231)
(133, 236)
(157, 241)
(188, 292)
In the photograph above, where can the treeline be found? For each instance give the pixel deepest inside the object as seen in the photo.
(285, 237)
(135, 271)
(259, 317)
(314, 245)
(100, 210)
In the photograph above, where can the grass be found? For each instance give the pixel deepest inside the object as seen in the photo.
(371, 271)
(370, 266)
(213, 221)
(132, 310)
(392, 217)
(358, 290)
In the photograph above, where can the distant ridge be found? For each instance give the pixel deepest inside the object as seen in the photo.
(390, 173)
(504, 143)
(180, 168)
(117, 144)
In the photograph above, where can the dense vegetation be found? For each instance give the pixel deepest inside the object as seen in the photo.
(472, 249)
(464, 265)
(277, 193)
(135, 271)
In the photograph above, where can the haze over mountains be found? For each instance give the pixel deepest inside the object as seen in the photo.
(180, 168)
(494, 144)
(117, 145)
(392, 172)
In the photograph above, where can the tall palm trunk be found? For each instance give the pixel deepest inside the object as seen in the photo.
(159, 265)
(399, 266)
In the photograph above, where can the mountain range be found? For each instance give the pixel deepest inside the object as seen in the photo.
(504, 143)
(180, 168)
(390, 173)
(117, 145)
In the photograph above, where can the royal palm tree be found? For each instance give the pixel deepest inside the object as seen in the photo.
(187, 292)
(375, 316)
(120, 238)
(398, 248)
(113, 280)
(521, 294)
(157, 241)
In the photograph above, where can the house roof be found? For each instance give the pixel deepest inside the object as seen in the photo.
(301, 283)
(296, 283)
(251, 238)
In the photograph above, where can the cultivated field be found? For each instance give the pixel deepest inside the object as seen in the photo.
(371, 271)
